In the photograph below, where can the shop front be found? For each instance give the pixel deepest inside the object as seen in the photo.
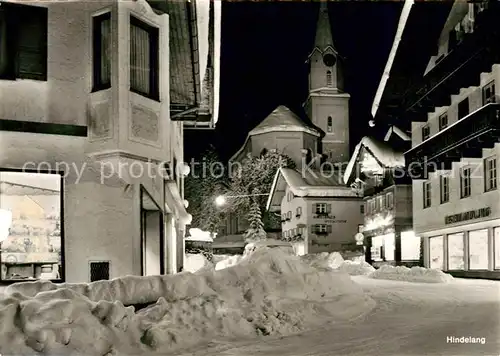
(393, 245)
(471, 250)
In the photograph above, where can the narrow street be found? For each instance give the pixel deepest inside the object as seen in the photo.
(410, 319)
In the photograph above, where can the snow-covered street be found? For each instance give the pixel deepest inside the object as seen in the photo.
(410, 319)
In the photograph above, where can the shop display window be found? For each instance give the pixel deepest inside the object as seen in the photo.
(456, 252)
(478, 249)
(30, 226)
(436, 252)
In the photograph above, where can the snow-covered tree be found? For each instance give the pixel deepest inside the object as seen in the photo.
(253, 180)
(256, 230)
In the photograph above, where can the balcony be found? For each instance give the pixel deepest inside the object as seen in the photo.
(460, 68)
(464, 139)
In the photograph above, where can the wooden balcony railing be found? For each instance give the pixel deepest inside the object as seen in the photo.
(464, 139)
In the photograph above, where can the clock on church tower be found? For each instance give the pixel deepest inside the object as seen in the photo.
(329, 59)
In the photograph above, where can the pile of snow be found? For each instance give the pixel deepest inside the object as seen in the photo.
(195, 262)
(270, 292)
(196, 234)
(324, 260)
(228, 262)
(356, 268)
(414, 274)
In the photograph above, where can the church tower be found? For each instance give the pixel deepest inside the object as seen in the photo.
(327, 104)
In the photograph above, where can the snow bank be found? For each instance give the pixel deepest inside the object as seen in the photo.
(228, 262)
(356, 268)
(270, 292)
(324, 260)
(195, 262)
(414, 274)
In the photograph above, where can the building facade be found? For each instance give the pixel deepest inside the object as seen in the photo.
(90, 136)
(325, 137)
(318, 213)
(454, 113)
(376, 171)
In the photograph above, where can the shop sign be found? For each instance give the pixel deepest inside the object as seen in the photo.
(335, 221)
(468, 215)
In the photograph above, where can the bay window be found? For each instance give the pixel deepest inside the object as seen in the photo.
(101, 51)
(144, 59)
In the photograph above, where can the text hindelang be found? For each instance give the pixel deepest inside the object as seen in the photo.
(468, 215)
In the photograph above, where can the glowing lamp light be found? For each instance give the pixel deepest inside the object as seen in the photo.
(5, 224)
(220, 200)
(183, 169)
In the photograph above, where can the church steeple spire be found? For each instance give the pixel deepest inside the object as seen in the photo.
(323, 39)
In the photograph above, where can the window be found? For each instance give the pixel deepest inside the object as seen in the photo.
(463, 108)
(445, 189)
(328, 78)
(390, 200)
(436, 252)
(30, 210)
(465, 187)
(144, 58)
(490, 173)
(489, 93)
(99, 271)
(381, 202)
(321, 208)
(329, 127)
(427, 194)
(496, 235)
(443, 122)
(478, 249)
(362, 208)
(426, 132)
(299, 211)
(456, 251)
(102, 51)
(321, 229)
(23, 42)
(410, 246)
(289, 215)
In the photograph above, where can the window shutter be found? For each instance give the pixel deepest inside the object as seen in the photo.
(329, 229)
(328, 208)
(32, 43)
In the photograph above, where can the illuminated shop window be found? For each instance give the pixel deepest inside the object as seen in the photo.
(496, 233)
(478, 249)
(410, 246)
(30, 206)
(456, 251)
(436, 252)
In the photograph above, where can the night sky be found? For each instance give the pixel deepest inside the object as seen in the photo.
(264, 49)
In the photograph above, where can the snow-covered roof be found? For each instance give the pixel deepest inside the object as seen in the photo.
(384, 154)
(307, 183)
(282, 119)
(398, 132)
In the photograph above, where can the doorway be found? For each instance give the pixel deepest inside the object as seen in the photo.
(152, 236)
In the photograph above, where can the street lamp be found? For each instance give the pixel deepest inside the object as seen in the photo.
(221, 199)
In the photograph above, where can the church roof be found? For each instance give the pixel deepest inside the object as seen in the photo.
(281, 119)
